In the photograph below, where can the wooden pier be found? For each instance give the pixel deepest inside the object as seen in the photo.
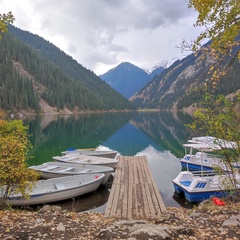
(134, 193)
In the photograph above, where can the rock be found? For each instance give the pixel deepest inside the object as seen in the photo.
(48, 208)
(135, 229)
(234, 220)
(150, 231)
(60, 227)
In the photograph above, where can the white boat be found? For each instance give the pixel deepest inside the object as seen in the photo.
(60, 169)
(88, 160)
(58, 189)
(198, 188)
(91, 152)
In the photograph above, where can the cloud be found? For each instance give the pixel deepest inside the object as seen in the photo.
(102, 33)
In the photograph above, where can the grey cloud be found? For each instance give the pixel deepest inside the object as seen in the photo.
(72, 48)
(107, 31)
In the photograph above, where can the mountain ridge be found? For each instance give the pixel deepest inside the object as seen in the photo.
(182, 84)
(54, 78)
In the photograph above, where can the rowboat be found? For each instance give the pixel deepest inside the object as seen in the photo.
(60, 169)
(58, 189)
(87, 160)
(91, 152)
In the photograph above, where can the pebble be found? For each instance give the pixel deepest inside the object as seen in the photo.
(196, 224)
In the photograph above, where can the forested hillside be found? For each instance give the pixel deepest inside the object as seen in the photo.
(182, 84)
(29, 79)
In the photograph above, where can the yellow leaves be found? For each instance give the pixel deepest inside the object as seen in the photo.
(220, 18)
(14, 146)
(219, 119)
(5, 18)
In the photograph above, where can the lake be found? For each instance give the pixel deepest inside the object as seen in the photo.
(158, 135)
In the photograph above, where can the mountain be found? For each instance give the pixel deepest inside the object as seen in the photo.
(181, 85)
(37, 76)
(126, 78)
(157, 69)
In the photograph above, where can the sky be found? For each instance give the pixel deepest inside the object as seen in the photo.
(100, 34)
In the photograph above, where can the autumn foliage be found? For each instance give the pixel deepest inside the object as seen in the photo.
(15, 177)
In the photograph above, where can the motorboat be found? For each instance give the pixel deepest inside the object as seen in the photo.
(204, 160)
(215, 178)
(197, 188)
(201, 160)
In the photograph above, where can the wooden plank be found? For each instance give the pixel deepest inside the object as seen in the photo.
(130, 191)
(114, 193)
(124, 190)
(134, 193)
(156, 190)
(134, 186)
(141, 197)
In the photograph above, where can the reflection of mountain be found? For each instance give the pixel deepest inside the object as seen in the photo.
(81, 131)
(164, 129)
(129, 140)
(128, 133)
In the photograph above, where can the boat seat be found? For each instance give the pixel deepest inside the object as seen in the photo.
(186, 183)
(85, 171)
(59, 186)
(65, 170)
(47, 168)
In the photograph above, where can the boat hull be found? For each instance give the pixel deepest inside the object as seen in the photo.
(195, 167)
(106, 154)
(87, 160)
(48, 175)
(41, 196)
(195, 197)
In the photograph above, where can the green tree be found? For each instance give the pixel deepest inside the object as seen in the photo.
(15, 177)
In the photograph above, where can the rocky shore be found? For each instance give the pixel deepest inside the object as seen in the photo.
(207, 221)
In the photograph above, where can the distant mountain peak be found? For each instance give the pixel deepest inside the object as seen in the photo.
(126, 78)
(157, 68)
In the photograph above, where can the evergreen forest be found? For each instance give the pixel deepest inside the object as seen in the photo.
(28, 78)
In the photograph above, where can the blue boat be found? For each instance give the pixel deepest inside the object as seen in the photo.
(204, 185)
(199, 188)
(202, 159)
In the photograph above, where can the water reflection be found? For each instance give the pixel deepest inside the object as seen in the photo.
(158, 135)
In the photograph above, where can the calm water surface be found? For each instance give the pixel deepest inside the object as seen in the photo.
(158, 135)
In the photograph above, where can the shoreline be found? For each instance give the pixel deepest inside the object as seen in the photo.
(207, 221)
